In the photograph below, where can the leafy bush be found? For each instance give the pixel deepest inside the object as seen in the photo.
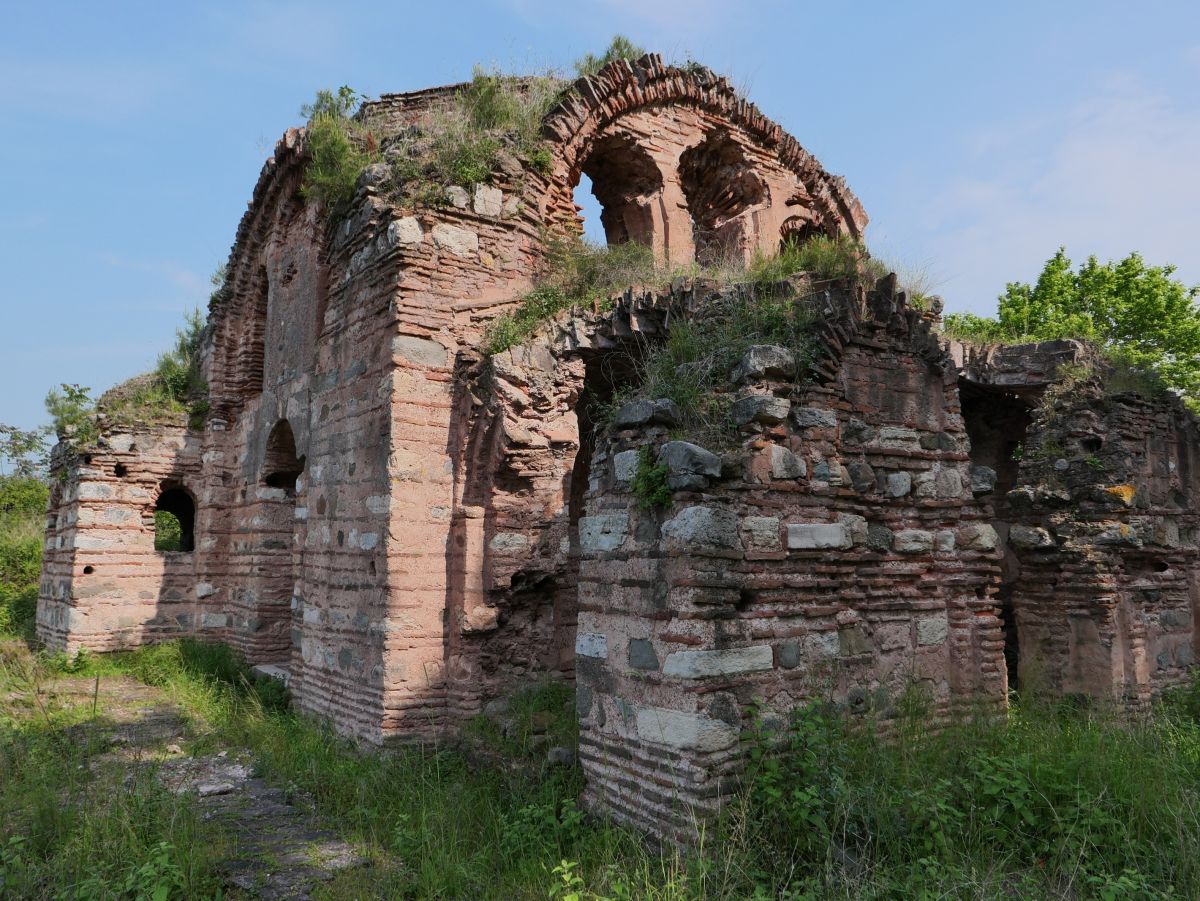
(1141, 316)
(339, 148)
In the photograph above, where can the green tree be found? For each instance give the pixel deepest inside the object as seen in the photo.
(22, 449)
(1140, 315)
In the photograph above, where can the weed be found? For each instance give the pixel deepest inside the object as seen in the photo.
(619, 48)
(649, 483)
(339, 146)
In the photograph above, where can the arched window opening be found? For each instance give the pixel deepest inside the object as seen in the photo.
(719, 185)
(624, 182)
(590, 211)
(281, 466)
(174, 520)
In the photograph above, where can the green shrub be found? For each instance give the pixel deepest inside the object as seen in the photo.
(72, 412)
(339, 148)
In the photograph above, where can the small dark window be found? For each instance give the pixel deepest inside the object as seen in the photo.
(120, 470)
(174, 521)
(281, 466)
(88, 570)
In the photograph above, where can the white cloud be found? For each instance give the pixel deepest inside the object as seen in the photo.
(1114, 174)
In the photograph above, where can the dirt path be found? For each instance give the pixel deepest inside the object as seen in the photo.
(279, 848)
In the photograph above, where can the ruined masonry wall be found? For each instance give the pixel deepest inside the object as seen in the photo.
(838, 555)
(1105, 531)
(103, 586)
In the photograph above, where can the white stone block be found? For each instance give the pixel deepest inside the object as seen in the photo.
(458, 241)
(817, 536)
(677, 729)
(725, 662)
(932, 629)
(591, 644)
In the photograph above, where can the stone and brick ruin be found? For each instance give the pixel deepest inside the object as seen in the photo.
(410, 528)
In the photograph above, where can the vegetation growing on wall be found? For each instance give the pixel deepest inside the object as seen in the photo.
(1139, 315)
(173, 389)
(340, 147)
(620, 48)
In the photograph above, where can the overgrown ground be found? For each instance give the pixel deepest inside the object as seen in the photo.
(1058, 801)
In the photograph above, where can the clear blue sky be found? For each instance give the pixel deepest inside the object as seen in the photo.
(979, 136)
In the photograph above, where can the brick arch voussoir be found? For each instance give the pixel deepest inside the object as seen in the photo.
(595, 102)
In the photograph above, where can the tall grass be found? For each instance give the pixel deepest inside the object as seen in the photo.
(1053, 801)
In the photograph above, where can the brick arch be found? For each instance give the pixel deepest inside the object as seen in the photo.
(587, 115)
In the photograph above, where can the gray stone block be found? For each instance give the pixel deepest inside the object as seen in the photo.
(932, 629)
(695, 528)
(983, 480)
(1030, 538)
(785, 464)
(913, 541)
(662, 411)
(591, 644)
(899, 484)
(763, 361)
(761, 532)
(642, 654)
(761, 408)
(789, 655)
(700, 664)
(603, 533)
(688, 465)
(814, 418)
(625, 465)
